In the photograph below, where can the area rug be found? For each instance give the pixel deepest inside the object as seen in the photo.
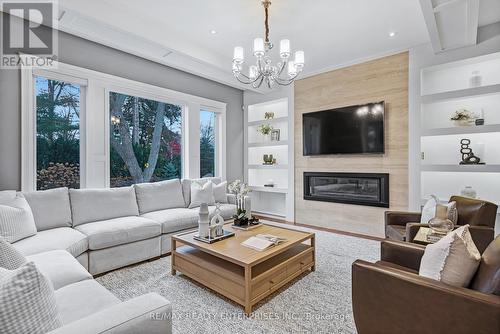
(316, 302)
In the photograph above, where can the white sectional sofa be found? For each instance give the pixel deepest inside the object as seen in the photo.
(105, 229)
(84, 232)
(84, 306)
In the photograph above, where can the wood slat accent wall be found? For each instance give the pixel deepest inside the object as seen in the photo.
(384, 79)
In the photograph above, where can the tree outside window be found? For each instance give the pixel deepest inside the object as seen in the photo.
(145, 137)
(207, 143)
(57, 134)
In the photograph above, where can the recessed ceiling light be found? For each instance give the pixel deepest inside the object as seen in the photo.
(213, 32)
(392, 34)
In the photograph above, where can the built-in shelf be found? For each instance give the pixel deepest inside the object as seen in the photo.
(277, 166)
(461, 168)
(268, 121)
(456, 94)
(462, 130)
(268, 144)
(269, 189)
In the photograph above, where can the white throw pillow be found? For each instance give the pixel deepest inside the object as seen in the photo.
(10, 257)
(16, 218)
(201, 194)
(429, 210)
(27, 301)
(220, 192)
(452, 260)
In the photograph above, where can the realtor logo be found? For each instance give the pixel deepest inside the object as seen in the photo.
(29, 34)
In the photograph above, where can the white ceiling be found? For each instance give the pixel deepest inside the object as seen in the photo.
(332, 33)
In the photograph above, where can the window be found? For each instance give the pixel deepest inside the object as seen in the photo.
(57, 134)
(207, 143)
(145, 140)
(82, 128)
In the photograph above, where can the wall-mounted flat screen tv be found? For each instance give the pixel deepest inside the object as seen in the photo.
(348, 130)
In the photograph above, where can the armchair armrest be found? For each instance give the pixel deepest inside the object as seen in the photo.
(401, 217)
(387, 300)
(402, 253)
(149, 313)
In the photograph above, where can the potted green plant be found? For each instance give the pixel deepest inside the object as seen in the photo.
(265, 130)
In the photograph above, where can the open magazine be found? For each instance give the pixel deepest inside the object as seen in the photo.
(262, 242)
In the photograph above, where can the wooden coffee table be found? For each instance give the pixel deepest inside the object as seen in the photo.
(239, 273)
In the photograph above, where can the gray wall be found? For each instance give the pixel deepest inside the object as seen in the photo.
(80, 52)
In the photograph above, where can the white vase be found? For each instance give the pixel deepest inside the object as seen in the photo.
(468, 191)
(203, 222)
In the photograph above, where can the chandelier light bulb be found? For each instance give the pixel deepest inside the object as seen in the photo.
(299, 59)
(258, 47)
(238, 56)
(285, 48)
(292, 70)
(252, 72)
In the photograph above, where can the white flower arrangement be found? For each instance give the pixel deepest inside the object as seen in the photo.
(238, 188)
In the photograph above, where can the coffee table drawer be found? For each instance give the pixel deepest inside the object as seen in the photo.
(300, 263)
(267, 283)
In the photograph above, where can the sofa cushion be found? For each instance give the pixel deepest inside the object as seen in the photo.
(27, 301)
(227, 211)
(60, 267)
(173, 220)
(90, 205)
(118, 231)
(159, 195)
(78, 300)
(10, 257)
(64, 238)
(186, 186)
(16, 218)
(50, 208)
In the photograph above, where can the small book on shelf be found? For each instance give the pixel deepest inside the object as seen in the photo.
(261, 242)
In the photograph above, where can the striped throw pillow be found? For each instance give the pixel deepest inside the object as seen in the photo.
(10, 258)
(27, 302)
(16, 218)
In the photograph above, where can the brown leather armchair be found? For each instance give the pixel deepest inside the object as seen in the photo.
(390, 297)
(479, 214)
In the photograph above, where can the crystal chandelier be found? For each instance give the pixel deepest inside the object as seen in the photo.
(264, 71)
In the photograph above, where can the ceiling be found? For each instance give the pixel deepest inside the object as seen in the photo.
(332, 33)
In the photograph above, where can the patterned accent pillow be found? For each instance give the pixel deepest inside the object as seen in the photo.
(16, 218)
(10, 258)
(27, 302)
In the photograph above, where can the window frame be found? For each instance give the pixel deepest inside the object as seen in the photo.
(29, 122)
(96, 102)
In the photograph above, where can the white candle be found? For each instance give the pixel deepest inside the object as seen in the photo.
(299, 58)
(258, 47)
(238, 56)
(284, 48)
(292, 70)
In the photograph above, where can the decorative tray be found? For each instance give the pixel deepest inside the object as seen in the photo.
(227, 234)
(246, 227)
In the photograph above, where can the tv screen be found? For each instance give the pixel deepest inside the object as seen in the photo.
(347, 130)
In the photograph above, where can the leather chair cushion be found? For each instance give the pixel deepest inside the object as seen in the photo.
(487, 278)
(475, 212)
(395, 232)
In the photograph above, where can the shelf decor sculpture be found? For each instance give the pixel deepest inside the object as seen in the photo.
(468, 157)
